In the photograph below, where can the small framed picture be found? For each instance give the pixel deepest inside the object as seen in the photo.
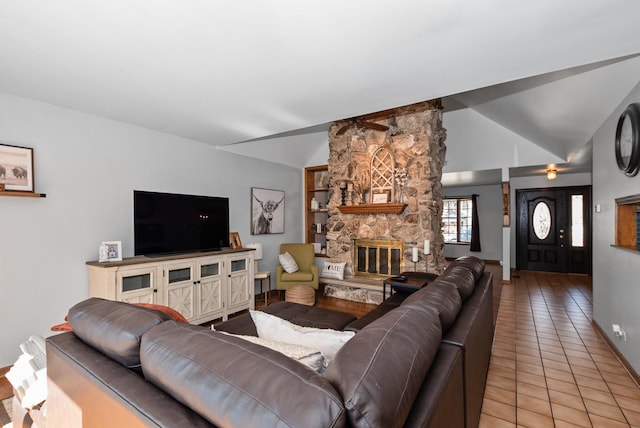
(234, 239)
(110, 251)
(16, 168)
(381, 197)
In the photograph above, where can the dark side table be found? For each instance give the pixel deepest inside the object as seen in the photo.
(414, 282)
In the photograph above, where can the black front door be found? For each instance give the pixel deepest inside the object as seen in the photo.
(553, 229)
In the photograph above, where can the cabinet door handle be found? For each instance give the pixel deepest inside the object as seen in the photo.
(155, 290)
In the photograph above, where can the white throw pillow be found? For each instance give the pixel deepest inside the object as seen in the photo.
(327, 341)
(311, 358)
(333, 270)
(288, 263)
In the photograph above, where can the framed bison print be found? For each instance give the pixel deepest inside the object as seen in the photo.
(16, 168)
(267, 211)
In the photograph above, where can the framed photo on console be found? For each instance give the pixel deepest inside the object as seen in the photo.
(267, 211)
(234, 240)
(110, 251)
(16, 168)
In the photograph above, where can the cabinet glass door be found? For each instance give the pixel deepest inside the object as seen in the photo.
(209, 291)
(136, 285)
(238, 265)
(211, 269)
(136, 282)
(239, 292)
(179, 290)
(179, 275)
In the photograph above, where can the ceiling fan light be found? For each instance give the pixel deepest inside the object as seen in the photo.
(552, 174)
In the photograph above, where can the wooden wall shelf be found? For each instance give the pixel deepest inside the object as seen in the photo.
(372, 209)
(22, 194)
(628, 222)
(316, 187)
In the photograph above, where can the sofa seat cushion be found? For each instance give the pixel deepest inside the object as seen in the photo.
(114, 328)
(443, 298)
(222, 378)
(306, 316)
(299, 276)
(381, 370)
(391, 303)
(310, 316)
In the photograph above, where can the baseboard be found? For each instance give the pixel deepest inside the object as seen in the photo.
(625, 363)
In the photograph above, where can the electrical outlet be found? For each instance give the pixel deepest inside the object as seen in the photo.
(619, 332)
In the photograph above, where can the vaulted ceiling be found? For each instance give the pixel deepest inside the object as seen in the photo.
(221, 73)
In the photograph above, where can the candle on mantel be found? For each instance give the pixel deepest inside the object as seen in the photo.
(427, 248)
(414, 256)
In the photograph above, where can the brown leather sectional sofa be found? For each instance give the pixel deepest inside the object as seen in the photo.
(420, 361)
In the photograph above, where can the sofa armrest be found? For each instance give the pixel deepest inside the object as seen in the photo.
(316, 277)
(86, 388)
(473, 334)
(440, 402)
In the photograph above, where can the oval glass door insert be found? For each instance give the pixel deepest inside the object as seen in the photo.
(541, 220)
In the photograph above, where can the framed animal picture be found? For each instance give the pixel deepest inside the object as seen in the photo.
(16, 168)
(267, 211)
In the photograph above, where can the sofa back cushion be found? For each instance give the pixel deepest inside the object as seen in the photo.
(475, 264)
(114, 328)
(461, 277)
(381, 369)
(232, 382)
(443, 298)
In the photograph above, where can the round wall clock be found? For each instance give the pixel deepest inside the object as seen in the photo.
(628, 140)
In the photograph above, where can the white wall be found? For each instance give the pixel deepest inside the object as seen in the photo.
(476, 143)
(616, 288)
(293, 150)
(490, 215)
(89, 167)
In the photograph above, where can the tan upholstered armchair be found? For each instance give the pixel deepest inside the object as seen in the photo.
(307, 273)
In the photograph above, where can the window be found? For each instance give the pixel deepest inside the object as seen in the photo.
(577, 221)
(456, 218)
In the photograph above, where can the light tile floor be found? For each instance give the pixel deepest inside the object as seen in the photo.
(549, 366)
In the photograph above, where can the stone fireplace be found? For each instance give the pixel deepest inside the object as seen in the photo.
(385, 187)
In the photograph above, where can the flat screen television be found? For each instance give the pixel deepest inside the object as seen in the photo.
(167, 223)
